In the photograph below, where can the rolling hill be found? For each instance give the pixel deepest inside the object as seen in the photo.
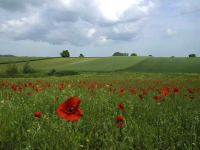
(83, 64)
(167, 65)
(5, 60)
(117, 63)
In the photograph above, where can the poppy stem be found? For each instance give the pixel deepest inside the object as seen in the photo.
(73, 128)
(120, 134)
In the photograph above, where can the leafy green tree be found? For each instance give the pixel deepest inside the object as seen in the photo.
(117, 54)
(65, 53)
(133, 54)
(150, 55)
(120, 54)
(26, 68)
(192, 55)
(81, 55)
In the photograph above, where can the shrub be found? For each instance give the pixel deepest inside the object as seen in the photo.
(27, 68)
(150, 55)
(53, 71)
(133, 54)
(192, 55)
(65, 53)
(12, 69)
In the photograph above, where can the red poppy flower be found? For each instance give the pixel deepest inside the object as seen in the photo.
(30, 84)
(155, 97)
(37, 90)
(62, 85)
(165, 92)
(70, 110)
(140, 96)
(76, 97)
(92, 86)
(160, 98)
(57, 99)
(176, 90)
(144, 92)
(121, 106)
(120, 121)
(190, 91)
(192, 96)
(29, 94)
(38, 114)
(122, 91)
(132, 91)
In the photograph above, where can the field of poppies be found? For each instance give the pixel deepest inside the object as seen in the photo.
(101, 111)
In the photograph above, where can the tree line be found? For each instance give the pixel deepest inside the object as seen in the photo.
(65, 53)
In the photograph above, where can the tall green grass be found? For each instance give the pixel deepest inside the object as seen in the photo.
(149, 124)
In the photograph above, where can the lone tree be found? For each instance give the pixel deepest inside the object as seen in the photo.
(65, 53)
(81, 55)
(192, 55)
(133, 54)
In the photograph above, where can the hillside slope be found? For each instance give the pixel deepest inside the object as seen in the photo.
(167, 65)
(84, 64)
(5, 60)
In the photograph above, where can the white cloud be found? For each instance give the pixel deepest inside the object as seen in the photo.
(80, 23)
(171, 33)
(113, 9)
(103, 39)
(91, 32)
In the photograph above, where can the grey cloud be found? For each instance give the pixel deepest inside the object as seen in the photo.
(19, 5)
(58, 23)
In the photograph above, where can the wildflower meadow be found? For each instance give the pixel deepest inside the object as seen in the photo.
(103, 111)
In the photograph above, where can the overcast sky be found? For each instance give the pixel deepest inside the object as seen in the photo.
(100, 27)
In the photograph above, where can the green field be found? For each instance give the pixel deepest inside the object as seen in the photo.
(84, 64)
(4, 60)
(167, 65)
(141, 64)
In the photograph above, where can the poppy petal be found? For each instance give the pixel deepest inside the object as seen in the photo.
(72, 117)
(60, 112)
(79, 112)
(69, 103)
